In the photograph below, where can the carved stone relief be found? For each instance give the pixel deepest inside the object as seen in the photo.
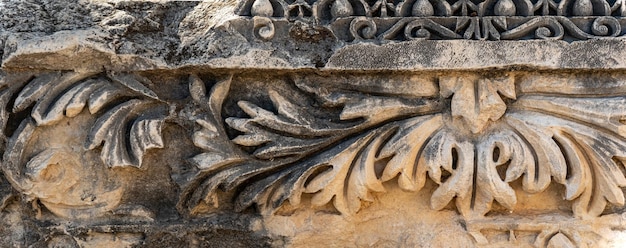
(270, 123)
(281, 142)
(400, 20)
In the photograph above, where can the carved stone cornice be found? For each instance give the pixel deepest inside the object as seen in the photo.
(195, 34)
(384, 21)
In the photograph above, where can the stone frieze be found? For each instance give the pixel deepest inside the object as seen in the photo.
(384, 21)
(281, 142)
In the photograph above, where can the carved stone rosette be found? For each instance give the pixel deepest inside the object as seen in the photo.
(285, 122)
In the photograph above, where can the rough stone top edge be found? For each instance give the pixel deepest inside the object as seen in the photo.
(208, 34)
(77, 53)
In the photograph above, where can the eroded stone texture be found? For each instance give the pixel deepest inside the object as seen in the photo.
(299, 123)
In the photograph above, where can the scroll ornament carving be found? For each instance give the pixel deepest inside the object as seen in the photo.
(472, 135)
(385, 21)
(475, 139)
(128, 121)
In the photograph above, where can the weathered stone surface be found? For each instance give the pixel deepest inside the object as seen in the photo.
(135, 35)
(298, 123)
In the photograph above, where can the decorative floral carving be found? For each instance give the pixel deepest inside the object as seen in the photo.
(128, 122)
(481, 28)
(338, 140)
(485, 20)
(494, 131)
(328, 9)
(541, 231)
(300, 9)
(477, 102)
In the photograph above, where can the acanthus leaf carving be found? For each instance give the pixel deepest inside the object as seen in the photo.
(409, 136)
(145, 133)
(58, 95)
(212, 128)
(477, 102)
(219, 152)
(469, 141)
(128, 118)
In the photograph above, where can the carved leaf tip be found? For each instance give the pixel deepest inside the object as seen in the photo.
(134, 82)
(351, 176)
(197, 89)
(34, 90)
(110, 129)
(218, 95)
(218, 154)
(212, 161)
